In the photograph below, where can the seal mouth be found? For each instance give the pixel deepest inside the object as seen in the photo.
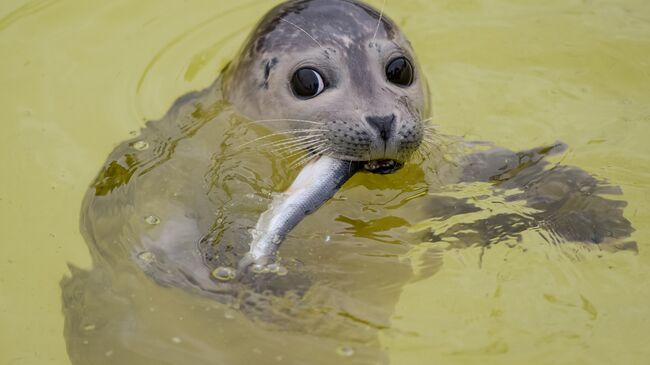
(382, 166)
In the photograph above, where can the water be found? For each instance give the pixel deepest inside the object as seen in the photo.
(78, 78)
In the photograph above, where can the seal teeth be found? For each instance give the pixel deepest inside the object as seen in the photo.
(382, 166)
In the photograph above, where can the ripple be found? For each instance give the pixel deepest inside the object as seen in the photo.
(191, 72)
(24, 11)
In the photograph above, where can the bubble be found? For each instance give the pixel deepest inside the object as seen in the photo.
(277, 239)
(282, 271)
(224, 273)
(259, 268)
(345, 350)
(176, 340)
(152, 219)
(277, 269)
(141, 145)
(147, 257)
(328, 238)
(109, 353)
(89, 327)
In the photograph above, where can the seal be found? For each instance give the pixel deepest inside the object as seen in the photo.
(343, 82)
(342, 78)
(340, 74)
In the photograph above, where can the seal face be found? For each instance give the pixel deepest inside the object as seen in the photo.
(340, 74)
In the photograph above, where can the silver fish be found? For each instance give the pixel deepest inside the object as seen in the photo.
(315, 184)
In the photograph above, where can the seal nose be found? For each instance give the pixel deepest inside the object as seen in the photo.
(383, 125)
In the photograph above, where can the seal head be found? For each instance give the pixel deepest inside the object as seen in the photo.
(337, 72)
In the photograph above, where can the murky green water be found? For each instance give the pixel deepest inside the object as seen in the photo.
(387, 281)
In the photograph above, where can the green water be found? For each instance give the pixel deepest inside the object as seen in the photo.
(79, 77)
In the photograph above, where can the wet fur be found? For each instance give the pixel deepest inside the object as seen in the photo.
(571, 205)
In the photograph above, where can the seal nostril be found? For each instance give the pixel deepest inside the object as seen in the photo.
(383, 125)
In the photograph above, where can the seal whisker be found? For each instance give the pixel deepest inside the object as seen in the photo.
(381, 16)
(429, 146)
(307, 149)
(298, 130)
(301, 160)
(417, 155)
(430, 130)
(290, 141)
(293, 131)
(304, 31)
(301, 147)
(282, 120)
(307, 158)
(427, 142)
(289, 131)
(295, 142)
(311, 158)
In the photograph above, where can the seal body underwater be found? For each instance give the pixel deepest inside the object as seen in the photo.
(341, 80)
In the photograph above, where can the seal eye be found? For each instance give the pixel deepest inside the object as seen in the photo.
(307, 83)
(399, 71)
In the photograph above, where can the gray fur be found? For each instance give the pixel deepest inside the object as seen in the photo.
(347, 42)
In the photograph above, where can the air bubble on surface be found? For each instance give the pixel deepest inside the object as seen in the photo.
(277, 239)
(141, 145)
(345, 350)
(224, 273)
(277, 269)
(152, 220)
(89, 327)
(259, 268)
(147, 257)
(282, 271)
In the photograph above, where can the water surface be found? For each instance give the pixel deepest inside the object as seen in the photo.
(79, 78)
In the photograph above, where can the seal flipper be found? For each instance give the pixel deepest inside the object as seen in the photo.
(568, 204)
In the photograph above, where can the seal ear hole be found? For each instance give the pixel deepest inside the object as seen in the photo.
(399, 71)
(307, 83)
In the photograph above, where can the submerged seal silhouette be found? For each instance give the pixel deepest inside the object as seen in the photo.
(339, 73)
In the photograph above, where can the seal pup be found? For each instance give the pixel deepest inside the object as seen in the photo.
(338, 75)
(149, 207)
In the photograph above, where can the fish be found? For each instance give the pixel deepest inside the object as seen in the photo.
(316, 183)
